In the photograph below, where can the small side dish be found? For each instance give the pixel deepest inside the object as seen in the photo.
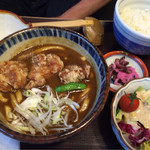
(124, 67)
(133, 117)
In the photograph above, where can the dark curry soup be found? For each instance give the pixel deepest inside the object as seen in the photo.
(60, 110)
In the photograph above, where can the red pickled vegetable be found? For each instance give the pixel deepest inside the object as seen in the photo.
(121, 73)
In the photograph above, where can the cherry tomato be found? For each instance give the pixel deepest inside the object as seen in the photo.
(129, 102)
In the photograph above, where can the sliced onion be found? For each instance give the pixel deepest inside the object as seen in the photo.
(41, 109)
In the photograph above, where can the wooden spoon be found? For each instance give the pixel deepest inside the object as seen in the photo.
(92, 28)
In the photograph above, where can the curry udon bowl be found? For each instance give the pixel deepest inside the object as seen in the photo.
(49, 40)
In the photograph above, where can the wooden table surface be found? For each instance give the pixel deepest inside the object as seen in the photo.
(98, 135)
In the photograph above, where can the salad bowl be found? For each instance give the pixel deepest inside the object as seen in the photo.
(124, 137)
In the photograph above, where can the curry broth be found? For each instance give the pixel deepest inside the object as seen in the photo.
(69, 57)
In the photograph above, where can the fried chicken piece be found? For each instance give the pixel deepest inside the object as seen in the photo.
(44, 66)
(74, 73)
(13, 75)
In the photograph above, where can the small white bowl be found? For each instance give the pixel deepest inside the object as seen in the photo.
(130, 87)
(133, 60)
(131, 40)
(10, 23)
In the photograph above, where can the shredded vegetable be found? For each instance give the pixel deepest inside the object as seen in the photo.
(41, 109)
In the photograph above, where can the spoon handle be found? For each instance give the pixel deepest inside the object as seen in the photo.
(72, 23)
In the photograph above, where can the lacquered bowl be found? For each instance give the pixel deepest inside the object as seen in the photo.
(24, 39)
(130, 87)
(131, 40)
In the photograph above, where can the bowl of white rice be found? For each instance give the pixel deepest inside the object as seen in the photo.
(131, 25)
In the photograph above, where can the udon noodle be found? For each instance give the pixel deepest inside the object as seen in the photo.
(29, 96)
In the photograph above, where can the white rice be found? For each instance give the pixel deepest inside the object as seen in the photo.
(137, 19)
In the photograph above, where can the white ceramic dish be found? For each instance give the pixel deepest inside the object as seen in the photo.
(10, 23)
(133, 60)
